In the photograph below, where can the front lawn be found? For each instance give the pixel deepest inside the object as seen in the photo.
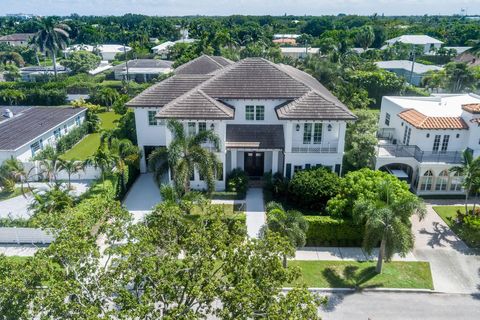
(88, 145)
(358, 274)
(468, 235)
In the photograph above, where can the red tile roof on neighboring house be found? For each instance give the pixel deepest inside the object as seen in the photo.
(472, 108)
(421, 121)
(285, 41)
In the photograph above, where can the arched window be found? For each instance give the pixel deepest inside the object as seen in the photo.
(442, 181)
(426, 181)
(456, 183)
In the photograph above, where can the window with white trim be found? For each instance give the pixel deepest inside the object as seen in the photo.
(202, 126)
(446, 139)
(456, 183)
(442, 181)
(35, 147)
(436, 143)
(426, 181)
(317, 133)
(249, 112)
(152, 121)
(387, 119)
(307, 133)
(192, 128)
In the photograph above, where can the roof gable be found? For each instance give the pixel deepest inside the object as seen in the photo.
(203, 65)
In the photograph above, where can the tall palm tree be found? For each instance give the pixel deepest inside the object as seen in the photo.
(470, 171)
(184, 154)
(51, 36)
(125, 154)
(387, 220)
(70, 167)
(365, 37)
(290, 224)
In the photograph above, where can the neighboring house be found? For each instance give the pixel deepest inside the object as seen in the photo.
(106, 51)
(142, 70)
(422, 138)
(33, 73)
(403, 68)
(469, 58)
(163, 49)
(290, 42)
(269, 117)
(428, 43)
(25, 131)
(285, 36)
(298, 52)
(17, 39)
(458, 50)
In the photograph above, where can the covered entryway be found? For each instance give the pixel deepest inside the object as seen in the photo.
(254, 164)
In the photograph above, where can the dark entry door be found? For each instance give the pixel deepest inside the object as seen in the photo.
(253, 163)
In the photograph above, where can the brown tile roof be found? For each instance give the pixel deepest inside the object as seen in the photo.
(255, 136)
(196, 105)
(203, 65)
(251, 78)
(163, 92)
(421, 121)
(472, 108)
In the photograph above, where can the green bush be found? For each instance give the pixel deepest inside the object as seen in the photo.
(66, 142)
(237, 181)
(312, 188)
(327, 231)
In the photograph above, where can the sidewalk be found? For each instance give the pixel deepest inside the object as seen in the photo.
(255, 211)
(343, 253)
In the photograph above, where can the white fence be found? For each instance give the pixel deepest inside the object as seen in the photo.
(37, 172)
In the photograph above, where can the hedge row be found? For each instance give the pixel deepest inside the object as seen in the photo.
(66, 142)
(327, 231)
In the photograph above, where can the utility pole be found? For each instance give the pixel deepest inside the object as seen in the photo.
(413, 63)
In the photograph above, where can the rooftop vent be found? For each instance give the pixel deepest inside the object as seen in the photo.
(7, 113)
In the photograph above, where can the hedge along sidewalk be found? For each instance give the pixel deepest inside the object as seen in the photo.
(342, 254)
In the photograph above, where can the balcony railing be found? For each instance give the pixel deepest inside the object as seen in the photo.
(386, 134)
(402, 151)
(327, 148)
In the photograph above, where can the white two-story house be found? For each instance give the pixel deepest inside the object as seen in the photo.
(269, 117)
(422, 138)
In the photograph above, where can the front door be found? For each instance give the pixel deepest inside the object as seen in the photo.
(253, 164)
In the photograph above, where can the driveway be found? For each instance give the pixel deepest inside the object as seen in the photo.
(17, 207)
(255, 211)
(455, 267)
(142, 196)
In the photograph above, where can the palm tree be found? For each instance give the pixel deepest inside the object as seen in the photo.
(51, 36)
(290, 224)
(184, 154)
(70, 167)
(387, 220)
(55, 199)
(102, 159)
(11, 171)
(365, 37)
(470, 171)
(125, 154)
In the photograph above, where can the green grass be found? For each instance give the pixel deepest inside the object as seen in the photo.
(228, 209)
(226, 195)
(4, 195)
(468, 235)
(357, 274)
(88, 145)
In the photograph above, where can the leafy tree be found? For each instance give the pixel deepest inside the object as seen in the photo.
(51, 36)
(12, 72)
(362, 184)
(289, 224)
(459, 77)
(11, 172)
(185, 154)
(81, 61)
(360, 141)
(365, 37)
(11, 57)
(105, 97)
(470, 171)
(48, 204)
(387, 220)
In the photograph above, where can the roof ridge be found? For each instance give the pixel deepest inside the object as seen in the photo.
(217, 103)
(209, 57)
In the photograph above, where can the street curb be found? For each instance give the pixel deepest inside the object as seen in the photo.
(352, 290)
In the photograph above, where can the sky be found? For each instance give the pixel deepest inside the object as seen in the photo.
(228, 7)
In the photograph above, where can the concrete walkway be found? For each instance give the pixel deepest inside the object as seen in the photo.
(255, 211)
(142, 196)
(455, 267)
(343, 253)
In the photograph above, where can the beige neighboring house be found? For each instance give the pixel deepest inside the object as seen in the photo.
(17, 39)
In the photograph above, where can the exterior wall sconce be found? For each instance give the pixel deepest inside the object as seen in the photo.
(329, 127)
(297, 127)
(212, 126)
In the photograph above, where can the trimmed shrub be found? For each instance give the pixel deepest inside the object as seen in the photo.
(237, 181)
(70, 139)
(327, 231)
(312, 188)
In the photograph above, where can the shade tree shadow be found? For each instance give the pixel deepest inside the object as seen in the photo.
(443, 235)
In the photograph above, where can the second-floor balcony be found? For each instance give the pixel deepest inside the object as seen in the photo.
(316, 148)
(403, 151)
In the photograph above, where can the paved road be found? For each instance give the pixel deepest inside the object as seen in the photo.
(455, 267)
(255, 211)
(402, 306)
